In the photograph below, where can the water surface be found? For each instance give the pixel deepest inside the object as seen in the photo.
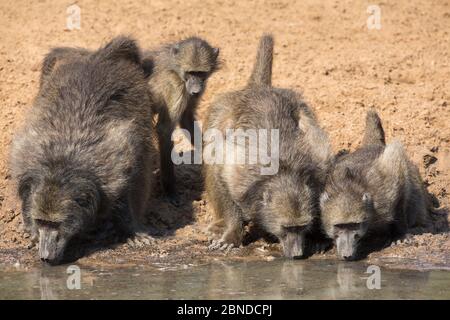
(279, 279)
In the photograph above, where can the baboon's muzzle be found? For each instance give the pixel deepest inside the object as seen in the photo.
(293, 245)
(346, 246)
(51, 247)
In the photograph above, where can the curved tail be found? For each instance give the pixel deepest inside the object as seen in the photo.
(262, 69)
(374, 133)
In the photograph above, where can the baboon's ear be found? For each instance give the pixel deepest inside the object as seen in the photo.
(121, 48)
(216, 52)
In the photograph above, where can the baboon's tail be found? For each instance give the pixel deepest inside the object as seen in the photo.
(262, 69)
(374, 133)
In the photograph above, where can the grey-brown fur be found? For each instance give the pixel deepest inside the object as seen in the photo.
(373, 195)
(179, 73)
(85, 150)
(284, 204)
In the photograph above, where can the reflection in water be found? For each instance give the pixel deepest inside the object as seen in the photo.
(279, 279)
(47, 292)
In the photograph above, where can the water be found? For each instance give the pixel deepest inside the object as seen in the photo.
(279, 279)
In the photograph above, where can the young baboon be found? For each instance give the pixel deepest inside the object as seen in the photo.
(373, 195)
(285, 203)
(179, 73)
(85, 151)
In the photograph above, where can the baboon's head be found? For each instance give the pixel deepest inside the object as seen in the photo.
(63, 205)
(346, 210)
(289, 211)
(194, 61)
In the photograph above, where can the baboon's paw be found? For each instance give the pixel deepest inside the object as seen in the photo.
(34, 243)
(220, 245)
(407, 239)
(139, 240)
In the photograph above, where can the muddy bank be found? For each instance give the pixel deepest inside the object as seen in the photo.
(422, 252)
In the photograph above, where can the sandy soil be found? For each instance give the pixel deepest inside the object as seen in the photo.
(323, 49)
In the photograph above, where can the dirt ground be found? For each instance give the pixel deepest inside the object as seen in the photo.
(323, 48)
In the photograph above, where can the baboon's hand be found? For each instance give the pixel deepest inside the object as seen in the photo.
(221, 245)
(34, 243)
(140, 239)
(407, 239)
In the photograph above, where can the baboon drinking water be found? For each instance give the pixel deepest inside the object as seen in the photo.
(85, 150)
(284, 203)
(179, 73)
(373, 195)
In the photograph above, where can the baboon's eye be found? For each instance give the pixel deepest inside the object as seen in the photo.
(47, 223)
(348, 226)
(295, 229)
(198, 74)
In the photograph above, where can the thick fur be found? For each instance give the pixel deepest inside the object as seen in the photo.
(173, 68)
(85, 150)
(376, 191)
(288, 200)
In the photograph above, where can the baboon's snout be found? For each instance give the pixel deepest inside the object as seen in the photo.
(293, 245)
(194, 86)
(346, 245)
(195, 90)
(50, 246)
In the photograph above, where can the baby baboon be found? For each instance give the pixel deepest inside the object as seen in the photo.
(285, 203)
(373, 195)
(85, 151)
(179, 73)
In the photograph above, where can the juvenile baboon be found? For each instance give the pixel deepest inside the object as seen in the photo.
(179, 73)
(85, 150)
(286, 203)
(373, 195)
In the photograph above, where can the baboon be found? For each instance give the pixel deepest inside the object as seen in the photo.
(286, 203)
(373, 195)
(84, 153)
(179, 73)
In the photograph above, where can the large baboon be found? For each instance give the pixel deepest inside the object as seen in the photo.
(179, 73)
(85, 150)
(373, 195)
(284, 203)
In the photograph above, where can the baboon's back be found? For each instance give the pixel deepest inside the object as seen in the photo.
(91, 113)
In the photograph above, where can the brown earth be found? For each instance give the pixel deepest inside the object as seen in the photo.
(323, 48)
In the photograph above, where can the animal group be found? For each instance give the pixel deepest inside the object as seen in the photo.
(85, 156)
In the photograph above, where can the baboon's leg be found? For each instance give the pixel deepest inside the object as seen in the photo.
(137, 204)
(234, 230)
(225, 209)
(28, 224)
(165, 128)
(187, 122)
(138, 198)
